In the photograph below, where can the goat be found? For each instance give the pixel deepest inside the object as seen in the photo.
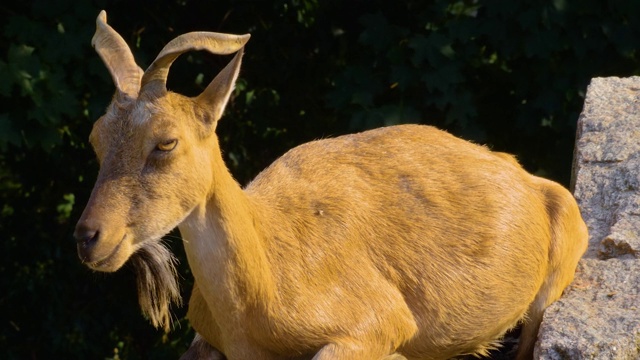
(398, 242)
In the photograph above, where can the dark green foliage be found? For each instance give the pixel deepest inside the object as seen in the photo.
(511, 74)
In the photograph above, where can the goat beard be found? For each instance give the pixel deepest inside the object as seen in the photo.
(157, 279)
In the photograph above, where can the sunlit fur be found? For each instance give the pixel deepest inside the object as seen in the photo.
(399, 242)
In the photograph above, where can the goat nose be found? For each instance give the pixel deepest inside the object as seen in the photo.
(87, 236)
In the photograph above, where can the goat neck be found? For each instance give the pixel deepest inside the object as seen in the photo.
(224, 246)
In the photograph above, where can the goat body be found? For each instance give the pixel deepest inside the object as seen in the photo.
(402, 241)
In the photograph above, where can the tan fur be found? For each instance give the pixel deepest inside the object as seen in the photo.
(399, 242)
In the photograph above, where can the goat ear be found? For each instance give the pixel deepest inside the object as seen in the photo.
(117, 57)
(216, 96)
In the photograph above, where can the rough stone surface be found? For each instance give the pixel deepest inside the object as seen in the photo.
(598, 318)
(599, 315)
(607, 167)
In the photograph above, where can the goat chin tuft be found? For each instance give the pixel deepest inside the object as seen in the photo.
(157, 279)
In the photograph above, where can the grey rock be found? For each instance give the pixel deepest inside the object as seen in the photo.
(607, 167)
(598, 317)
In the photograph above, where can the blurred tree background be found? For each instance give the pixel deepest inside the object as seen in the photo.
(510, 74)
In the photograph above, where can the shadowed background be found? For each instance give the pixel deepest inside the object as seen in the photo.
(508, 74)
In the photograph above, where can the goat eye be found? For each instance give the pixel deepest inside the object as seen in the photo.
(167, 145)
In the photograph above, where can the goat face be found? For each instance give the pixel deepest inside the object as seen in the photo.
(154, 147)
(152, 154)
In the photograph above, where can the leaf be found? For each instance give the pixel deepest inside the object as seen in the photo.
(8, 135)
(420, 46)
(23, 67)
(462, 109)
(442, 78)
(377, 33)
(362, 98)
(434, 49)
(65, 207)
(403, 77)
(18, 54)
(6, 80)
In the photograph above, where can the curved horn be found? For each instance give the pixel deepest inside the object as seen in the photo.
(215, 43)
(117, 56)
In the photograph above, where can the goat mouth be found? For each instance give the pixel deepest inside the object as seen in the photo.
(106, 261)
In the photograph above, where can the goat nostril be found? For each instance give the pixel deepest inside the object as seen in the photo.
(86, 236)
(89, 238)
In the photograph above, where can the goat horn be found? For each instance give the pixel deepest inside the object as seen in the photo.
(117, 56)
(216, 43)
